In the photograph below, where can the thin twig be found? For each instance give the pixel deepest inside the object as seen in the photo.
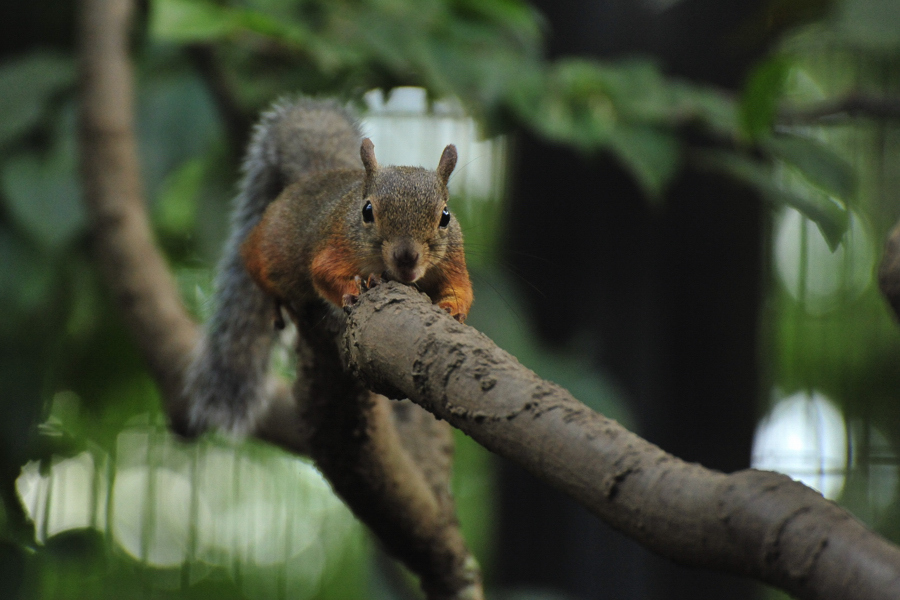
(889, 270)
(237, 122)
(841, 110)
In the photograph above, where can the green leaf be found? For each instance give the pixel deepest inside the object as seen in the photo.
(651, 154)
(176, 122)
(191, 21)
(595, 107)
(510, 16)
(29, 82)
(176, 208)
(566, 104)
(26, 280)
(637, 89)
(829, 216)
(759, 101)
(711, 109)
(186, 21)
(816, 162)
(44, 198)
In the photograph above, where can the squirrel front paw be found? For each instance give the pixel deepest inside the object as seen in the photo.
(453, 311)
(372, 281)
(357, 286)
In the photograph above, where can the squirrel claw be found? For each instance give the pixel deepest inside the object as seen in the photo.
(368, 283)
(374, 280)
(361, 285)
(448, 308)
(349, 300)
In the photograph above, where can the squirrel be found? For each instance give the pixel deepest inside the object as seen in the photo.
(316, 220)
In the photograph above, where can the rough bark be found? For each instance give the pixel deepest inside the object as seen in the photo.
(754, 523)
(356, 445)
(123, 243)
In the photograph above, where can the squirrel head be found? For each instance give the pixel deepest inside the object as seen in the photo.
(404, 215)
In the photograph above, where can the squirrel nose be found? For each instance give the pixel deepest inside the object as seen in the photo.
(406, 257)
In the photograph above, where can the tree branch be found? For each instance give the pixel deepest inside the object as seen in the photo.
(124, 246)
(889, 270)
(841, 110)
(237, 123)
(123, 243)
(754, 523)
(355, 443)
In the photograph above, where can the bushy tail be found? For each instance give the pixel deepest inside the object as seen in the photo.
(226, 383)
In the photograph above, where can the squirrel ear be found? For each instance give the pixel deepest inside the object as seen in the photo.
(447, 163)
(367, 154)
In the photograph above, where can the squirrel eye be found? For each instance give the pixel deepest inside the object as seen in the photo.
(368, 214)
(445, 218)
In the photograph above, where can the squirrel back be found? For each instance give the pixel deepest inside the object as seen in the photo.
(226, 380)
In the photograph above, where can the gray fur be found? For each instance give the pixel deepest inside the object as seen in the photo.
(226, 381)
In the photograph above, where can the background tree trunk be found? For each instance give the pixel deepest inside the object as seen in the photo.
(672, 295)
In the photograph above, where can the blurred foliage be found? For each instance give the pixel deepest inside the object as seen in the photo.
(72, 380)
(831, 332)
(488, 55)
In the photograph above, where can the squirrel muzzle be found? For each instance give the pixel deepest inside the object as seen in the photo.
(403, 259)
